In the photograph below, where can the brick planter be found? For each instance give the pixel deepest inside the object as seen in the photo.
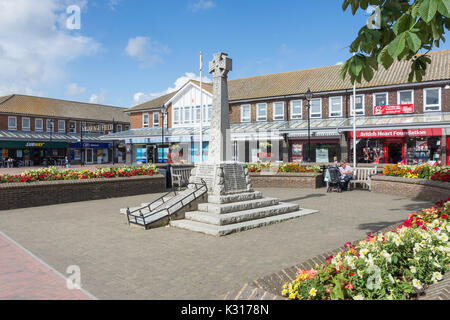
(420, 189)
(24, 195)
(287, 180)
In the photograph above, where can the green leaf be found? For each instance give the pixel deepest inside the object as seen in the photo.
(356, 65)
(413, 41)
(443, 6)
(343, 69)
(403, 24)
(428, 10)
(396, 47)
(336, 293)
(368, 73)
(384, 58)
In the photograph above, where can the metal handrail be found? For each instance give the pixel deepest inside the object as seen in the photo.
(151, 213)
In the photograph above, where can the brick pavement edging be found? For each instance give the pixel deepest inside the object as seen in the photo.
(287, 180)
(420, 189)
(270, 287)
(34, 194)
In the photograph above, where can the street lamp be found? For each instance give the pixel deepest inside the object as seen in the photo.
(51, 131)
(81, 143)
(164, 113)
(308, 96)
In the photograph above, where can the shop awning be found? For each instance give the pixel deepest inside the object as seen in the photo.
(31, 145)
(30, 136)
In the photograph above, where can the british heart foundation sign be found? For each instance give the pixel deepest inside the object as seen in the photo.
(393, 109)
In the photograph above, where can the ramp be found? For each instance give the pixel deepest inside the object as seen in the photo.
(165, 206)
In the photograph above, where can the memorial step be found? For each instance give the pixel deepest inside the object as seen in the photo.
(241, 216)
(245, 196)
(237, 206)
(215, 230)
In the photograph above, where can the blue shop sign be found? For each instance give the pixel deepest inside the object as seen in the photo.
(93, 145)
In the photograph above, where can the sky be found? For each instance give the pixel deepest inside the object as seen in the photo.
(125, 52)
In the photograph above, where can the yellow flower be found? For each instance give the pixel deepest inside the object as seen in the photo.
(284, 292)
(292, 296)
(313, 292)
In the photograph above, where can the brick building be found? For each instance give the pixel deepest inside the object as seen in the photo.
(397, 121)
(38, 131)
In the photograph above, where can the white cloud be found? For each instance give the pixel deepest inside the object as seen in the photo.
(146, 50)
(202, 5)
(35, 46)
(73, 89)
(99, 98)
(141, 97)
(112, 4)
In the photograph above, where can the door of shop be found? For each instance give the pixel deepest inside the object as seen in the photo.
(395, 153)
(89, 156)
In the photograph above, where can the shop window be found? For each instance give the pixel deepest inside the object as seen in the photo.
(155, 119)
(145, 120)
(380, 99)
(296, 109)
(38, 125)
(12, 123)
(26, 124)
(72, 127)
(278, 111)
(405, 97)
(422, 150)
(359, 105)
(61, 126)
(316, 108)
(261, 112)
(336, 107)
(368, 151)
(245, 113)
(432, 99)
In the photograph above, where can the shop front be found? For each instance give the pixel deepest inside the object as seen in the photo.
(29, 153)
(91, 152)
(322, 151)
(403, 146)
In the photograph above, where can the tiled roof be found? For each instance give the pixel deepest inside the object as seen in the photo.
(30, 105)
(320, 80)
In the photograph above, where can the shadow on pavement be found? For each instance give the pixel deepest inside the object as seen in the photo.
(377, 226)
(317, 195)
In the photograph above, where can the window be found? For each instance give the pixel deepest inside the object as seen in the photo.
(61, 126)
(26, 124)
(119, 128)
(335, 106)
(156, 119)
(379, 99)
(38, 125)
(176, 116)
(432, 99)
(12, 123)
(127, 127)
(187, 114)
(359, 105)
(197, 114)
(50, 126)
(245, 113)
(405, 97)
(278, 111)
(296, 109)
(261, 112)
(316, 108)
(145, 120)
(72, 127)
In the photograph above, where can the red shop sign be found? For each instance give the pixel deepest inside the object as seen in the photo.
(401, 133)
(393, 109)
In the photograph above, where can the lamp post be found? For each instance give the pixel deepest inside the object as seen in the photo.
(51, 131)
(113, 146)
(81, 143)
(308, 96)
(164, 112)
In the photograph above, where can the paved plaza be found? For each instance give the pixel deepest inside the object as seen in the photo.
(122, 262)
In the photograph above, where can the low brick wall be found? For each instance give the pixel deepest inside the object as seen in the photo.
(420, 189)
(34, 194)
(287, 180)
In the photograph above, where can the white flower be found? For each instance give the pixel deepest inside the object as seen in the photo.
(391, 278)
(436, 277)
(386, 255)
(413, 269)
(416, 284)
(363, 252)
(443, 237)
(358, 297)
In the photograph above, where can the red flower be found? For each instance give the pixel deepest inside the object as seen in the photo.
(444, 216)
(329, 257)
(351, 274)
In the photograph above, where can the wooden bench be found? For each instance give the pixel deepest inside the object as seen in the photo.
(362, 176)
(180, 175)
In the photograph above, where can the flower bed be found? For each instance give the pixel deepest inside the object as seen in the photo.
(436, 173)
(283, 167)
(54, 174)
(395, 265)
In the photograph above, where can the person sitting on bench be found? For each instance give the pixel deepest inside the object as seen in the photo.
(346, 175)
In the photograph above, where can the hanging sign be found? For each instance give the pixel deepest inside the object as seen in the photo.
(393, 109)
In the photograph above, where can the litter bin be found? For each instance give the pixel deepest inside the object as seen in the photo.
(165, 171)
